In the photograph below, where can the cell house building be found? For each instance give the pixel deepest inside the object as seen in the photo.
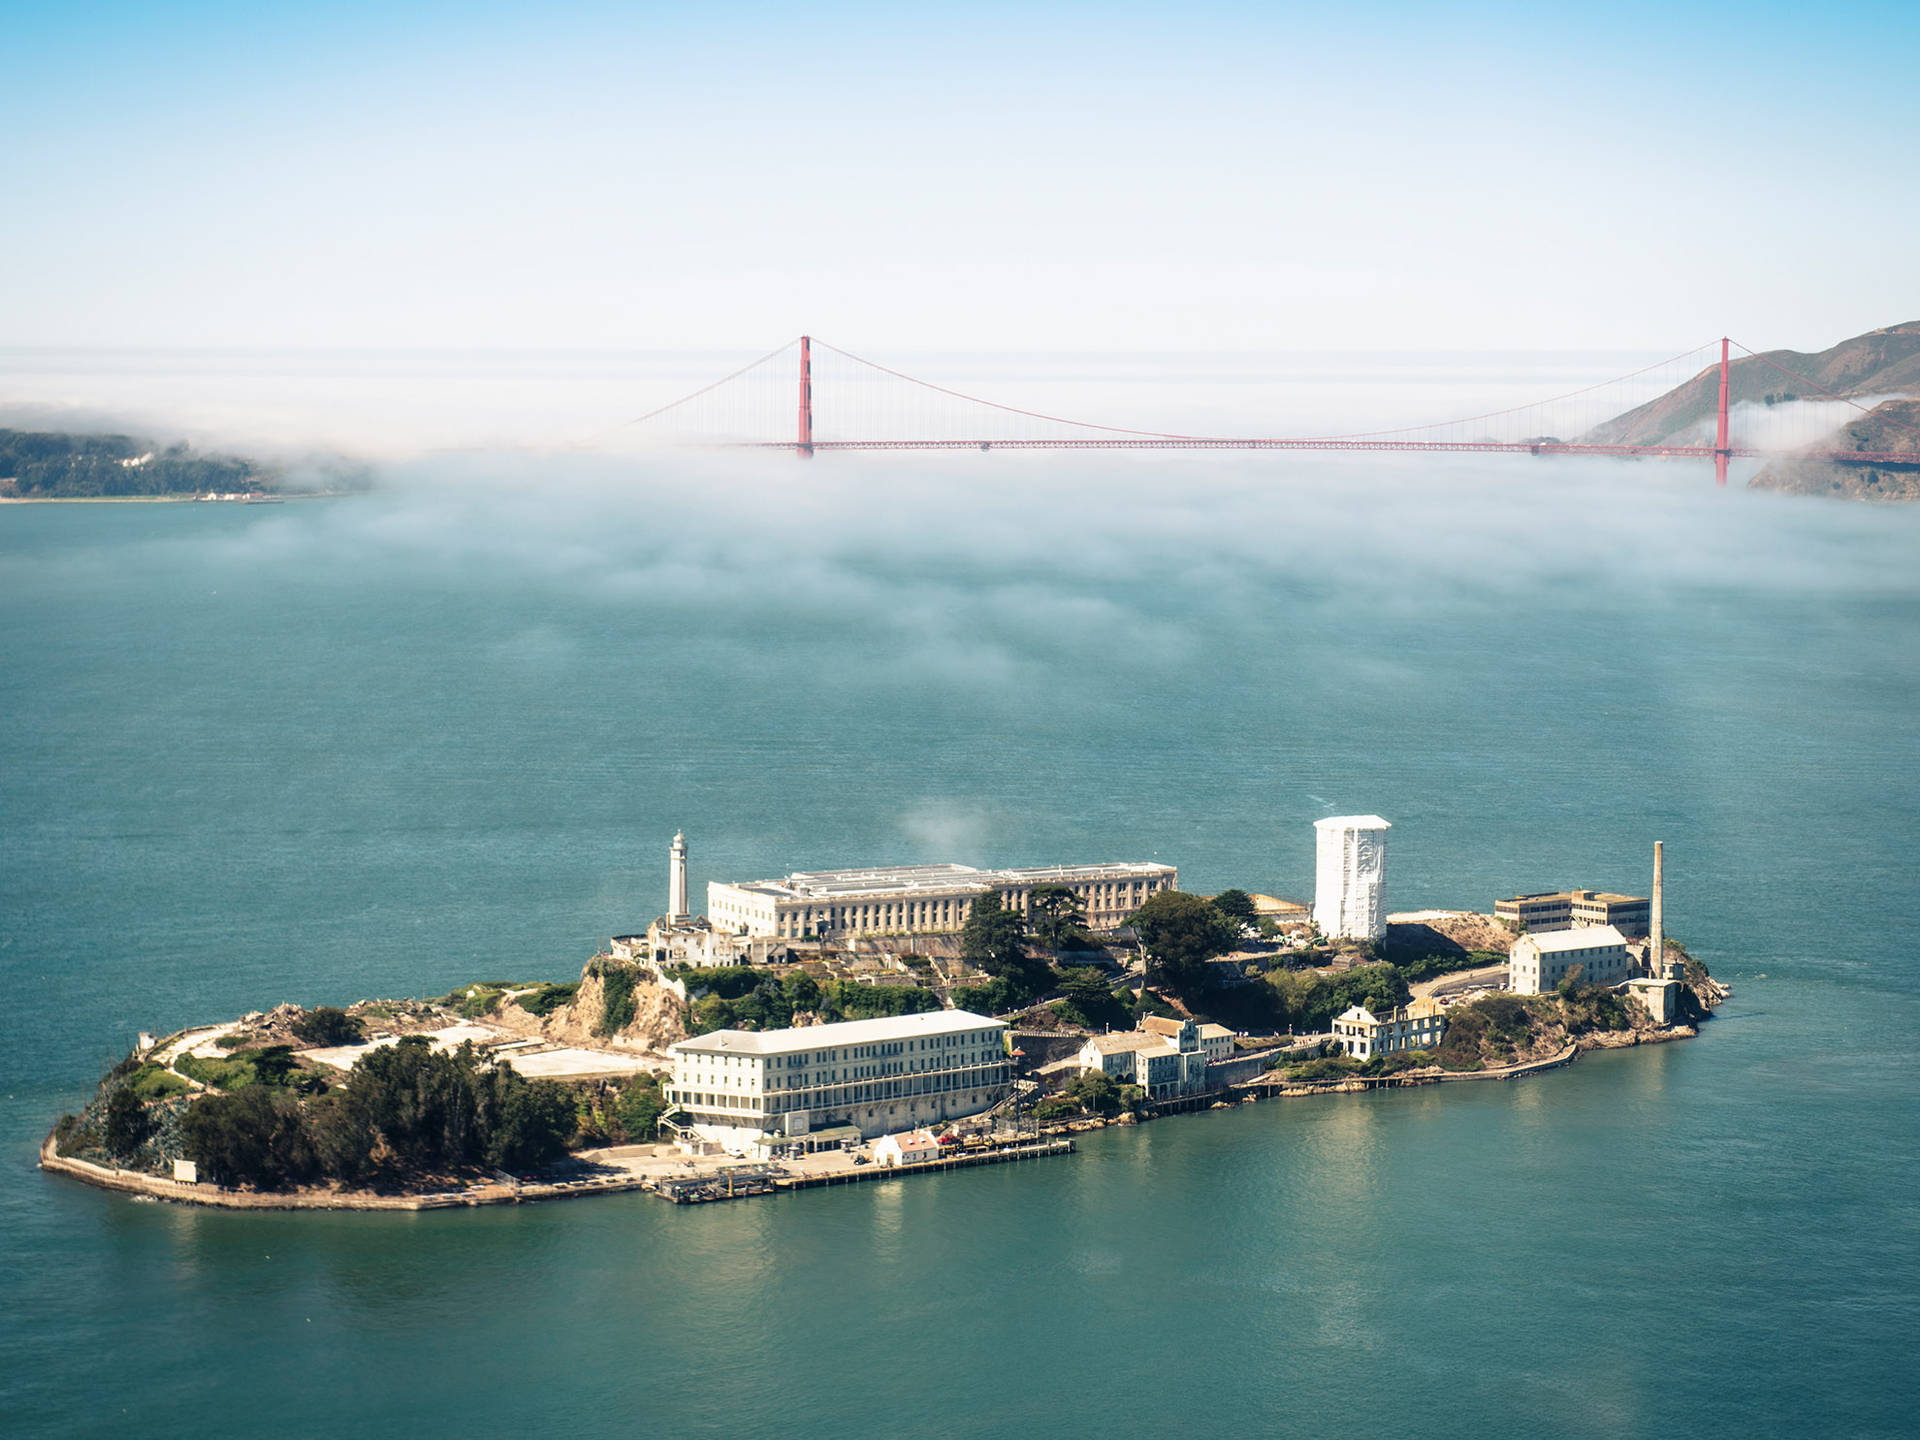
(921, 899)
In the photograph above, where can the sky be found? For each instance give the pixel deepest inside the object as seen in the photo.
(1111, 178)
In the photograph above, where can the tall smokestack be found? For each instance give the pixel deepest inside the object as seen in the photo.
(1656, 933)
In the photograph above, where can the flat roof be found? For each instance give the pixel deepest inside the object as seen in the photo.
(1590, 937)
(945, 879)
(1583, 896)
(1352, 822)
(844, 1032)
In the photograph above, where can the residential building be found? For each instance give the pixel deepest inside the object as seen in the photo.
(1418, 1025)
(1350, 876)
(1215, 1041)
(751, 1091)
(1571, 909)
(921, 899)
(1167, 1066)
(1541, 961)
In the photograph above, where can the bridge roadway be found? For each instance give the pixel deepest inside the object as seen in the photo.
(1471, 447)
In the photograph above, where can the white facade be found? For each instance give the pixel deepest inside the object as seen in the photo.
(916, 1147)
(1168, 1062)
(1540, 962)
(1420, 1025)
(1350, 876)
(921, 899)
(738, 1088)
(677, 879)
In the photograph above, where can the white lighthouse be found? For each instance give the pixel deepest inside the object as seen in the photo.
(1350, 876)
(677, 880)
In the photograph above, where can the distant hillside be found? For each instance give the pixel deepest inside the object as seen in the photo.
(50, 465)
(1881, 362)
(1892, 427)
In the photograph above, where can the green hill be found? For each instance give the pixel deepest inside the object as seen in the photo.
(1881, 362)
(52, 465)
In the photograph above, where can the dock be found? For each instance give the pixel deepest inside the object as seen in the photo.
(741, 1182)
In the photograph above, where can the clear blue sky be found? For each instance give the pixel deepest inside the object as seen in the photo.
(1069, 176)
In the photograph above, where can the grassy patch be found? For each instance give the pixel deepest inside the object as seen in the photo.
(153, 1081)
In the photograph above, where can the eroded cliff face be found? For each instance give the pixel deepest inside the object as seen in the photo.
(650, 1017)
(1892, 428)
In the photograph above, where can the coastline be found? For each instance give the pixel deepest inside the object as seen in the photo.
(276, 498)
(628, 1180)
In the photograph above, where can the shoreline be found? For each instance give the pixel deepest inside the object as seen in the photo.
(273, 499)
(178, 1192)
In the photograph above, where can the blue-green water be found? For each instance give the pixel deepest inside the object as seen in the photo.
(379, 746)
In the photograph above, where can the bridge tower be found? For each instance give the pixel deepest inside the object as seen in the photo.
(805, 444)
(1721, 452)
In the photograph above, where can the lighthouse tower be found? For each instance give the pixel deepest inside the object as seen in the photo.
(677, 880)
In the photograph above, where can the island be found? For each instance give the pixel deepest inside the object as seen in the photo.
(927, 1017)
(57, 465)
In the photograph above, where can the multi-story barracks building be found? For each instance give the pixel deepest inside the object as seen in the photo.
(752, 1091)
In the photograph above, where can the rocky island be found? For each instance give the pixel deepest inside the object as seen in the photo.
(508, 1091)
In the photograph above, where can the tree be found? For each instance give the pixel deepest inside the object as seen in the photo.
(802, 992)
(126, 1127)
(1096, 1092)
(1179, 933)
(994, 937)
(253, 1136)
(1236, 905)
(1057, 913)
(328, 1025)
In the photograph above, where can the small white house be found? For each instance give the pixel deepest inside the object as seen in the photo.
(910, 1148)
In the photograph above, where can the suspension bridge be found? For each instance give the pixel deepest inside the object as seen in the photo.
(809, 396)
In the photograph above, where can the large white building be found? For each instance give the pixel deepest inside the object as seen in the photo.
(1540, 962)
(748, 1091)
(921, 899)
(1350, 876)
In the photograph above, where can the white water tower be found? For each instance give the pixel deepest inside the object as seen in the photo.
(1350, 876)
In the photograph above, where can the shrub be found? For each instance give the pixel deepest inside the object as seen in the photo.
(153, 1081)
(545, 999)
(1055, 1107)
(269, 1065)
(617, 1006)
(328, 1025)
(126, 1127)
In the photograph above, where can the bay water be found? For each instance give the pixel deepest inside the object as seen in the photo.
(383, 745)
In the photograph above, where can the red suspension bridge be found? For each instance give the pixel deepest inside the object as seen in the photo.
(775, 402)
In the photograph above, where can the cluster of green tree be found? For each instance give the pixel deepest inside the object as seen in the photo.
(543, 1000)
(1088, 998)
(1095, 1093)
(1496, 1028)
(405, 1112)
(328, 1025)
(52, 464)
(742, 998)
(614, 1112)
(1585, 1008)
(270, 1065)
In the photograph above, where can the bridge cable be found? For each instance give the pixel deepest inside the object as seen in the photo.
(705, 389)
